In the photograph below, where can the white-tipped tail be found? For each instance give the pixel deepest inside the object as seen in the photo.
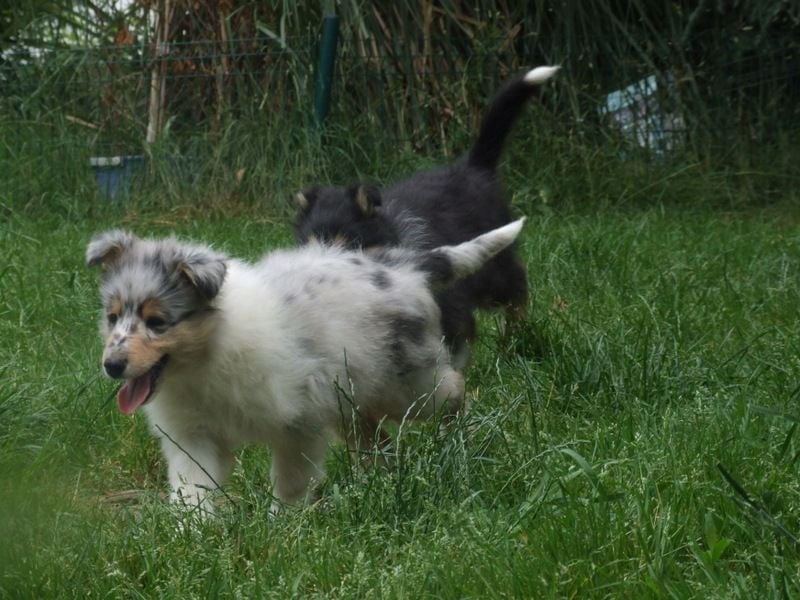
(470, 256)
(540, 74)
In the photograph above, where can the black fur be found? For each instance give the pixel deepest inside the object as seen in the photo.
(327, 213)
(380, 279)
(443, 206)
(404, 331)
(437, 266)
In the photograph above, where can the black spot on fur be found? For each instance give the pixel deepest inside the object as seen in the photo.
(310, 290)
(308, 345)
(405, 333)
(410, 328)
(380, 279)
(356, 261)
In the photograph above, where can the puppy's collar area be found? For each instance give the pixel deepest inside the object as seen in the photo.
(137, 391)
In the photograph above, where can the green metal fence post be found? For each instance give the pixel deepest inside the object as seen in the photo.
(327, 57)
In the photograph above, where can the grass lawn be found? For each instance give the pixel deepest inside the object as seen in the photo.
(661, 354)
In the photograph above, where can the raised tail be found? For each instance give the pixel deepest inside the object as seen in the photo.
(503, 111)
(447, 264)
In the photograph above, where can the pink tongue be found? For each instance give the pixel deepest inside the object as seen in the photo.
(134, 393)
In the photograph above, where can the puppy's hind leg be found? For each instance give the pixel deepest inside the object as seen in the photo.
(450, 392)
(447, 399)
(447, 396)
(297, 464)
(453, 396)
(368, 441)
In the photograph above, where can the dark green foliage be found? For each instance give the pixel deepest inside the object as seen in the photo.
(412, 80)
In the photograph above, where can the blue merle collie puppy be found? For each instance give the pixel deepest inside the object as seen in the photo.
(219, 352)
(443, 206)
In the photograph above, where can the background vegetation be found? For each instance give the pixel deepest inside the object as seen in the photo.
(637, 439)
(411, 80)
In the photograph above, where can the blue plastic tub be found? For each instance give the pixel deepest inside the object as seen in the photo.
(115, 174)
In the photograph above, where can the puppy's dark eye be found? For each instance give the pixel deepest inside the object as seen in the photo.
(112, 319)
(155, 323)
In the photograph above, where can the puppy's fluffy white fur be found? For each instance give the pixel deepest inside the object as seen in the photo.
(220, 352)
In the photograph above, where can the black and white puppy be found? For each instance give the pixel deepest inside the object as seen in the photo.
(447, 205)
(220, 352)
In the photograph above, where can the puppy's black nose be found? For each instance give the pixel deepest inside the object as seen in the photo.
(115, 368)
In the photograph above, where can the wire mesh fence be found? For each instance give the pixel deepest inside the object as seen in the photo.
(408, 95)
(661, 81)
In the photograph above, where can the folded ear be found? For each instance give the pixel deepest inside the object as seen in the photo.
(204, 269)
(106, 248)
(367, 199)
(305, 199)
